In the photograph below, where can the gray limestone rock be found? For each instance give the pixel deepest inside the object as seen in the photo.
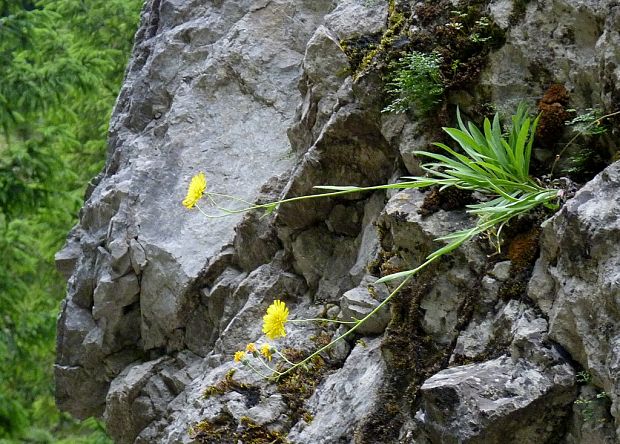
(369, 247)
(141, 393)
(79, 322)
(324, 262)
(566, 41)
(501, 271)
(344, 398)
(66, 259)
(137, 256)
(124, 396)
(488, 402)
(211, 87)
(325, 85)
(324, 62)
(349, 149)
(576, 281)
(217, 299)
(119, 257)
(409, 137)
(354, 18)
(474, 341)
(325, 67)
(510, 327)
(360, 301)
(489, 293)
(67, 391)
(111, 296)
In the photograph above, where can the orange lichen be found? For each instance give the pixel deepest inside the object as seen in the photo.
(523, 249)
(553, 116)
(556, 93)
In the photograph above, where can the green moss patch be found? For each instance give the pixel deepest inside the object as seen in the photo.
(228, 384)
(298, 385)
(225, 430)
(461, 36)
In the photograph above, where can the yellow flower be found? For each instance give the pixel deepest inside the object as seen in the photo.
(239, 356)
(274, 320)
(197, 187)
(250, 348)
(265, 350)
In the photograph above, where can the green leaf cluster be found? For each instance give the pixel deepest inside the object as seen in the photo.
(494, 164)
(415, 83)
(61, 66)
(588, 123)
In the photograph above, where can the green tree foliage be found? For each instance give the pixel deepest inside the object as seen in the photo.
(61, 65)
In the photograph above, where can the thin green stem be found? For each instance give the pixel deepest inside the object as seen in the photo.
(576, 136)
(228, 196)
(284, 357)
(266, 365)
(361, 321)
(200, 209)
(409, 184)
(255, 370)
(213, 202)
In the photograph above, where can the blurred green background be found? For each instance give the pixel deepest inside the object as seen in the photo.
(61, 66)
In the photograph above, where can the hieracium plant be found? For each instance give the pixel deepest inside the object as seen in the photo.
(489, 161)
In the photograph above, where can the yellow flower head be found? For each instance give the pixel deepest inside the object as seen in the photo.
(274, 320)
(197, 187)
(239, 356)
(250, 348)
(265, 350)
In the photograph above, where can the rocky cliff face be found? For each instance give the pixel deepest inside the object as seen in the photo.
(261, 96)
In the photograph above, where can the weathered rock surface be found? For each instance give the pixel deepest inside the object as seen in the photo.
(344, 398)
(576, 282)
(571, 42)
(140, 251)
(259, 95)
(488, 402)
(360, 301)
(409, 238)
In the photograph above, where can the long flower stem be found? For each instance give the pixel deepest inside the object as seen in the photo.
(213, 202)
(255, 370)
(272, 205)
(228, 196)
(284, 357)
(361, 321)
(266, 365)
(201, 210)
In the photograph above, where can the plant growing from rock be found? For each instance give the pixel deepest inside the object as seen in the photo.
(590, 123)
(493, 163)
(416, 83)
(587, 406)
